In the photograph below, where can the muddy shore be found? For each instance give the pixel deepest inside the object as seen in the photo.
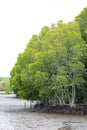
(17, 114)
(65, 109)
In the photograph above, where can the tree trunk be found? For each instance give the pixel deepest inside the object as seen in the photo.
(72, 102)
(63, 101)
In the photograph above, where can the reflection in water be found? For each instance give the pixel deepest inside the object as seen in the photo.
(15, 115)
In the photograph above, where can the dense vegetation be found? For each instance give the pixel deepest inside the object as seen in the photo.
(4, 84)
(53, 66)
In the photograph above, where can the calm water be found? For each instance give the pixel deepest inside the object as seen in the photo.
(14, 115)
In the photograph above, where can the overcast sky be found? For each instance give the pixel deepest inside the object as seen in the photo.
(20, 19)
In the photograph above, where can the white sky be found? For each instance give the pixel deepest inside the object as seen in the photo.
(20, 19)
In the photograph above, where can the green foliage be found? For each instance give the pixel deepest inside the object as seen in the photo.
(82, 20)
(7, 88)
(3, 82)
(52, 66)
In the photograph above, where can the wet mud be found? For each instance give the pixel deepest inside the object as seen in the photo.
(15, 114)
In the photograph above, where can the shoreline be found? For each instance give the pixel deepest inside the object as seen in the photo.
(78, 110)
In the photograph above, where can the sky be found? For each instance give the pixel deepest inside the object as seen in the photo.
(20, 19)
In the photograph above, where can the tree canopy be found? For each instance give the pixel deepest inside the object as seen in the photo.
(53, 66)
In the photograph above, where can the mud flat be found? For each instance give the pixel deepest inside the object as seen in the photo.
(15, 114)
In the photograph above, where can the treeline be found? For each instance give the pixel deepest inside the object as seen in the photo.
(4, 84)
(53, 66)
